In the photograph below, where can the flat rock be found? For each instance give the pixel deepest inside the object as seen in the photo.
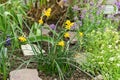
(73, 38)
(99, 77)
(80, 58)
(28, 49)
(24, 74)
(45, 32)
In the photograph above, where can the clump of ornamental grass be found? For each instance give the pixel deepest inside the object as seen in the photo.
(58, 59)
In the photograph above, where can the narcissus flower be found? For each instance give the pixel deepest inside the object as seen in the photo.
(69, 24)
(67, 35)
(40, 21)
(68, 27)
(61, 43)
(47, 12)
(81, 34)
(22, 39)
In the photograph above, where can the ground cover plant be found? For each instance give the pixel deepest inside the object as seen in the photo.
(75, 35)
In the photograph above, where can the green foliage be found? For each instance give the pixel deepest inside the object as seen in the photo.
(43, 2)
(103, 50)
(3, 62)
(11, 17)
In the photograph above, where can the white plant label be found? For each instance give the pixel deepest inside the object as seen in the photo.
(28, 50)
(110, 9)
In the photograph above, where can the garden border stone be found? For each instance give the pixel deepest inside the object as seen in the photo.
(24, 74)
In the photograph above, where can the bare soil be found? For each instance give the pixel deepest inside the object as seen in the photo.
(18, 58)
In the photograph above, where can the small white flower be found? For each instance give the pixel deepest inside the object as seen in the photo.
(112, 59)
(118, 65)
(92, 59)
(99, 56)
(111, 50)
(114, 32)
(98, 32)
(109, 46)
(102, 46)
(116, 41)
(116, 47)
(118, 56)
(102, 51)
(100, 62)
(107, 30)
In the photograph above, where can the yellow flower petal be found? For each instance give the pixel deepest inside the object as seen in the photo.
(67, 35)
(47, 12)
(40, 21)
(68, 27)
(81, 34)
(61, 43)
(69, 24)
(22, 39)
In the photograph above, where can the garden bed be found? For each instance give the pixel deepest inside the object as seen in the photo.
(61, 39)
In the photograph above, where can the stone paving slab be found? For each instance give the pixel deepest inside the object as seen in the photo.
(99, 77)
(73, 38)
(80, 58)
(28, 51)
(45, 32)
(24, 74)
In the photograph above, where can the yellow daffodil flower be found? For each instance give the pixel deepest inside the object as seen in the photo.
(40, 21)
(67, 35)
(81, 34)
(61, 43)
(22, 39)
(68, 27)
(69, 24)
(47, 12)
